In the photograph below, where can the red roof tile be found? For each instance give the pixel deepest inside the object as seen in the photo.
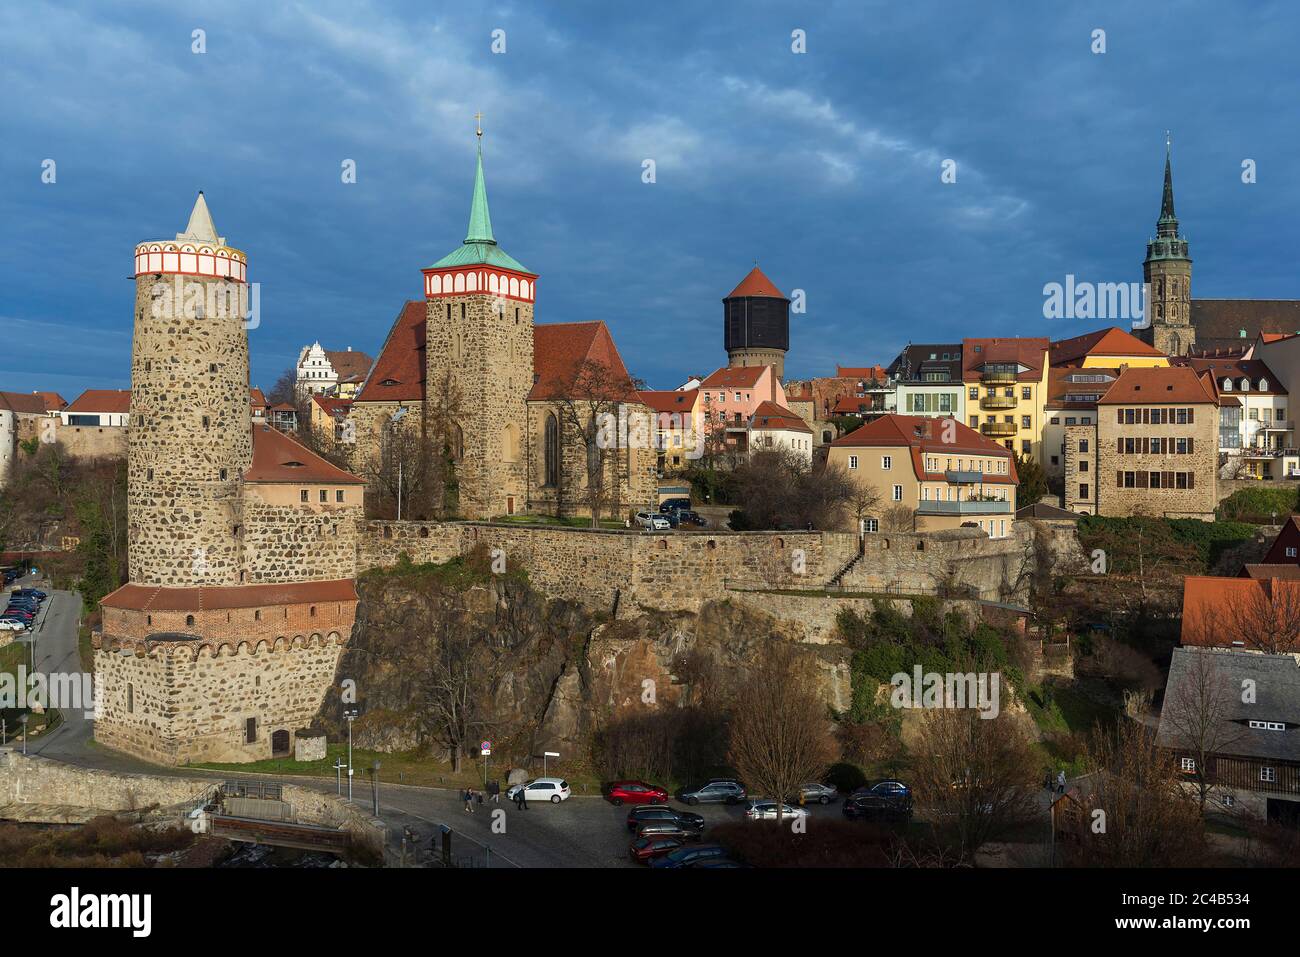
(398, 374)
(53, 401)
(278, 458)
(561, 348)
(925, 435)
(756, 284)
(22, 402)
(102, 400)
(769, 415)
(205, 598)
(731, 377)
(256, 399)
(348, 364)
(682, 400)
(861, 372)
(1103, 342)
(1028, 352)
(1157, 386)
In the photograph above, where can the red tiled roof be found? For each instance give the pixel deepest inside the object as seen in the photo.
(1031, 353)
(1157, 386)
(1103, 342)
(1211, 604)
(756, 284)
(561, 348)
(769, 415)
(102, 400)
(53, 401)
(1062, 394)
(398, 374)
(682, 400)
(332, 405)
(256, 399)
(208, 597)
(731, 377)
(348, 363)
(278, 458)
(1235, 368)
(924, 435)
(861, 372)
(22, 402)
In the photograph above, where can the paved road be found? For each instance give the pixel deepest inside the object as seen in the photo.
(580, 832)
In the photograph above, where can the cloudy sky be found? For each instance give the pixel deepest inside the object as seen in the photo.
(824, 166)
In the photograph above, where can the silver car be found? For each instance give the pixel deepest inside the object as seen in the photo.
(817, 794)
(717, 791)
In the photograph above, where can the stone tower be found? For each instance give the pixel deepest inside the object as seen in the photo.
(756, 323)
(479, 362)
(190, 438)
(1167, 270)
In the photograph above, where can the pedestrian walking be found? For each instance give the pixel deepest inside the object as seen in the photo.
(1047, 780)
(466, 795)
(494, 792)
(478, 797)
(521, 799)
(1060, 782)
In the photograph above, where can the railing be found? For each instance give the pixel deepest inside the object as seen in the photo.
(963, 477)
(1256, 452)
(1005, 429)
(968, 507)
(998, 402)
(996, 376)
(1279, 425)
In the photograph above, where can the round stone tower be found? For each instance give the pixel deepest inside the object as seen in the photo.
(190, 436)
(756, 323)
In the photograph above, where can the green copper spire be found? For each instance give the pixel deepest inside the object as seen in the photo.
(1169, 243)
(480, 222)
(480, 246)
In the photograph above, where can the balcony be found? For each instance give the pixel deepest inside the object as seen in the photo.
(998, 402)
(1262, 453)
(977, 507)
(1279, 425)
(998, 376)
(956, 477)
(1004, 430)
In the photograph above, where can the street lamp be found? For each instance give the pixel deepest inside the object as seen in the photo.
(545, 755)
(374, 785)
(351, 716)
(23, 721)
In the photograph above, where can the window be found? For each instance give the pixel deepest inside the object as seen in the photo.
(1291, 551)
(324, 496)
(130, 697)
(257, 614)
(189, 621)
(338, 495)
(1083, 490)
(973, 392)
(1026, 392)
(250, 731)
(1083, 445)
(551, 449)
(1268, 775)
(1056, 420)
(1268, 725)
(1083, 465)
(853, 461)
(303, 496)
(898, 493)
(886, 462)
(1188, 765)
(871, 525)
(223, 475)
(1026, 446)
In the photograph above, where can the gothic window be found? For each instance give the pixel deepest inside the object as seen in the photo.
(551, 452)
(455, 442)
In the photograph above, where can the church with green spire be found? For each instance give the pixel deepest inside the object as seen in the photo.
(1167, 271)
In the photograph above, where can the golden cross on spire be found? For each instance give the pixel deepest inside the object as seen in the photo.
(478, 126)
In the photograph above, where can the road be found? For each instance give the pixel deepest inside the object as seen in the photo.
(584, 831)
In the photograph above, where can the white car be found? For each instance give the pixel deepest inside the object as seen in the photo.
(554, 790)
(11, 624)
(653, 521)
(766, 811)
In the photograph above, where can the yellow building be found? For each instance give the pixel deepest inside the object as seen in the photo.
(1006, 388)
(945, 474)
(679, 434)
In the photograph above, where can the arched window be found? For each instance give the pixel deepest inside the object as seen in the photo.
(455, 442)
(1245, 385)
(551, 452)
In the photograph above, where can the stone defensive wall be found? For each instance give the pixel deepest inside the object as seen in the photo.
(681, 570)
(39, 782)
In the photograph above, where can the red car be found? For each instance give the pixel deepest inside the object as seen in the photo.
(637, 792)
(645, 849)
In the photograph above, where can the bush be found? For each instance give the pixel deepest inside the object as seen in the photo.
(1260, 503)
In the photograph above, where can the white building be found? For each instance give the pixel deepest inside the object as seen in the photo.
(773, 426)
(323, 371)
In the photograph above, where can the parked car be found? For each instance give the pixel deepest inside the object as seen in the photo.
(659, 812)
(23, 609)
(709, 863)
(686, 517)
(667, 829)
(11, 624)
(645, 849)
(554, 790)
(884, 800)
(686, 856)
(31, 604)
(635, 792)
(25, 615)
(673, 520)
(715, 791)
(673, 504)
(818, 794)
(34, 592)
(766, 811)
(651, 521)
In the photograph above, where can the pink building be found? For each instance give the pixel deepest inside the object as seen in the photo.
(730, 396)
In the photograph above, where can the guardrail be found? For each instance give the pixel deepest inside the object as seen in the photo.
(967, 507)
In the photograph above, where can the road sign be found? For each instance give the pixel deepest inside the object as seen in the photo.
(485, 748)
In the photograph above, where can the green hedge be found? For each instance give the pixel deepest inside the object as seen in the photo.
(1187, 542)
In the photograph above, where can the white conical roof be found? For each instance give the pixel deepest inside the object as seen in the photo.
(201, 228)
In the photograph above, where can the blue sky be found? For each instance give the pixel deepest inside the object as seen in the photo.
(824, 166)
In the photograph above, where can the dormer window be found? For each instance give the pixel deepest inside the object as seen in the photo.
(1263, 385)
(1227, 385)
(389, 382)
(1245, 385)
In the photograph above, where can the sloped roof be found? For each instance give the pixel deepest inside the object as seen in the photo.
(53, 401)
(257, 399)
(1071, 396)
(769, 415)
(1276, 680)
(398, 374)
(1028, 352)
(278, 458)
(925, 435)
(1104, 342)
(1262, 571)
(1221, 322)
(102, 400)
(756, 284)
(1235, 368)
(210, 597)
(1047, 513)
(915, 359)
(682, 400)
(559, 351)
(734, 377)
(861, 372)
(1210, 604)
(1155, 386)
(348, 363)
(22, 402)
(332, 405)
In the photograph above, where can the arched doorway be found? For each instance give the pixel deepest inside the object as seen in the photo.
(279, 742)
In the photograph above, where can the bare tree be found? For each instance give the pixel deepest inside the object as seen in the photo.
(781, 736)
(1135, 812)
(779, 488)
(1265, 617)
(453, 687)
(898, 518)
(590, 405)
(864, 502)
(1197, 710)
(977, 774)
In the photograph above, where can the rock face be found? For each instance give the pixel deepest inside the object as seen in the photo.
(541, 673)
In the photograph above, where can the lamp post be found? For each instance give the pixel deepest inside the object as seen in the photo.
(351, 716)
(545, 755)
(23, 721)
